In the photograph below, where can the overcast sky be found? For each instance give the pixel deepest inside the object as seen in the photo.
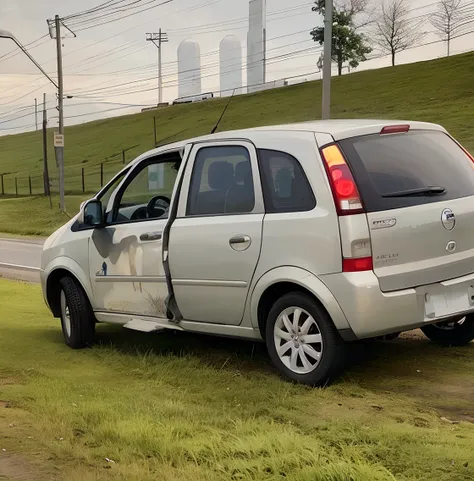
(117, 53)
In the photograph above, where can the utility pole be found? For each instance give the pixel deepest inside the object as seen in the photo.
(36, 113)
(58, 147)
(47, 190)
(158, 39)
(326, 106)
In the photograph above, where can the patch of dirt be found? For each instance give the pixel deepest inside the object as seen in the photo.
(16, 468)
(452, 397)
(463, 407)
(8, 381)
(415, 365)
(457, 414)
(415, 335)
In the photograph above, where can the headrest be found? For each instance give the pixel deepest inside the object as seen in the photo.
(220, 175)
(243, 173)
(283, 181)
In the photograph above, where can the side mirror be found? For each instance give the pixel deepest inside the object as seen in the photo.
(92, 214)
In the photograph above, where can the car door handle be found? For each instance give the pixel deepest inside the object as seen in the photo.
(240, 242)
(150, 236)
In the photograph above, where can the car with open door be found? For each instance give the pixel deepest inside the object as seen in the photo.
(304, 236)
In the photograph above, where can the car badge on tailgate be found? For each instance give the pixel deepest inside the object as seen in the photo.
(448, 219)
(383, 223)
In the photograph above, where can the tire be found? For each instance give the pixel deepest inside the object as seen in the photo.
(456, 333)
(318, 373)
(77, 318)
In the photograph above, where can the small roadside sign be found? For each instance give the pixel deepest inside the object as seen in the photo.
(58, 140)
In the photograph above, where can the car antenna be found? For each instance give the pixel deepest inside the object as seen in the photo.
(213, 131)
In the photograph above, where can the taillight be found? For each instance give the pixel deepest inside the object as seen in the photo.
(357, 265)
(344, 189)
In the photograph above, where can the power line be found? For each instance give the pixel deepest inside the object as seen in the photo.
(121, 108)
(237, 20)
(96, 57)
(272, 61)
(26, 95)
(215, 64)
(127, 15)
(213, 52)
(140, 25)
(16, 52)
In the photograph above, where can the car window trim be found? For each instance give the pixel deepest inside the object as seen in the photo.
(263, 178)
(193, 174)
(259, 207)
(132, 176)
(76, 226)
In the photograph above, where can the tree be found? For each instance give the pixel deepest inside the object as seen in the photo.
(347, 44)
(395, 31)
(448, 20)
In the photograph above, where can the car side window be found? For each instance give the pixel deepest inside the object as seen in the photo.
(221, 182)
(147, 194)
(284, 183)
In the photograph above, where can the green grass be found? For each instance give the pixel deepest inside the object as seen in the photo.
(174, 407)
(33, 216)
(439, 91)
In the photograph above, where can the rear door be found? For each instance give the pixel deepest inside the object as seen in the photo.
(215, 241)
(418, 191)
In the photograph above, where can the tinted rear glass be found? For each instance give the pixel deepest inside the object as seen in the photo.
(388, 164)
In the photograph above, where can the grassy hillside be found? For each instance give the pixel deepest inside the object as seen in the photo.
(439, 91)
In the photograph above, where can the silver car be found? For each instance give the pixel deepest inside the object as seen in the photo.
(304, 236)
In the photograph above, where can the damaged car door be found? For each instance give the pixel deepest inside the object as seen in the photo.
(125, 255)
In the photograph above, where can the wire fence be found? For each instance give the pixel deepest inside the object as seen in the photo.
(79, 178)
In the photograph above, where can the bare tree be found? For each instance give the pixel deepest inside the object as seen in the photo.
(362, 11)
(395, 31)
(448, 20)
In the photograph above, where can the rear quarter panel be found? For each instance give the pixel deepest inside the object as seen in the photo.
(308, 240)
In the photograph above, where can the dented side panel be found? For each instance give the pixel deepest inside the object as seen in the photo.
(126, 273)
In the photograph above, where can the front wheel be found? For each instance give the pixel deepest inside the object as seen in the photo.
(458, 332)
(77, 318)
(302, 341)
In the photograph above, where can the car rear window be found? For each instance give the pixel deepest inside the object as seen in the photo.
(384, 165)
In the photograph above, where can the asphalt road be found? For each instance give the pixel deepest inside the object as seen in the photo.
(20, 259)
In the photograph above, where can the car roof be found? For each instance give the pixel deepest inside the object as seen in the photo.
(338, 128)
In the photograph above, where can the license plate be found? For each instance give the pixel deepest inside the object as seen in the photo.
(447, 301)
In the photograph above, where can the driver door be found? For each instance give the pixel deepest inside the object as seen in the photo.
(125, 257)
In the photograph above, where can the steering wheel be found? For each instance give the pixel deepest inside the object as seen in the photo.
(157, 206)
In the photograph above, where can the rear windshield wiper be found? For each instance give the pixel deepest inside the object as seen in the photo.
(429, 190)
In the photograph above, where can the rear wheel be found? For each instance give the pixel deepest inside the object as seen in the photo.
(302, 341)
(457, 332)
(77, 318)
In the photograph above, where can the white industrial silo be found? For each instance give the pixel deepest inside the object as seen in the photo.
(256, 45)
(189, 68)
(230, 61)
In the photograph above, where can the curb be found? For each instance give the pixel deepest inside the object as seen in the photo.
(19, 267)
(19, 240)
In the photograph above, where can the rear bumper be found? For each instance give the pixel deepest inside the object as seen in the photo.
(371, 312)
